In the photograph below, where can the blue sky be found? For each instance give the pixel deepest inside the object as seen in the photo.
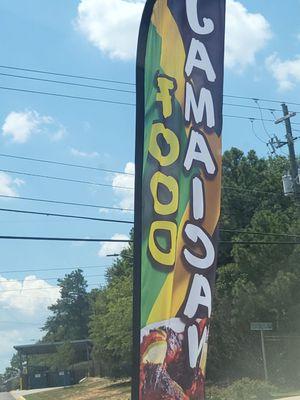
(98, 38)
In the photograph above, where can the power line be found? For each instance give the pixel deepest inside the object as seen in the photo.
(251, 118)
(20, 323)
(255, 191)
(8, 280)
(48, 214)
(114, 186)
(67, 83)
(260, 99)
(64, 239)
(240, 242)
(131, 222)
(84, 77)
(40, 160)
(56, 178)
(95, 240)
(255, 134)
(67, 203)
(37, 288)
(250, 107)
(38, 71)
(66, 96)
(262, 119)
(111, 101)
(110, 88)
(62, 269)
(259, 233)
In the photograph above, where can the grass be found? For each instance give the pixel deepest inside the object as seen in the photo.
(92, 389)
(105, 389)
(281, 395)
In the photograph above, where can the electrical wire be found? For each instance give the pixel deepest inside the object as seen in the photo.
(255, 134)
(66, 203)
(56, 178)
(261, 99)
(240, 231)
(84, 77)
(118, 187)
(67, 83)
(67, 96)
(38, 71)
(49, 214)
(131, 222)
(108, 101)
(62, 269)
(40, 160)
(37, 288)
(262, 119)
(96, 240)
(255, 191)
(107, 88)
(64, 239)
(240, 242)
(9, 280)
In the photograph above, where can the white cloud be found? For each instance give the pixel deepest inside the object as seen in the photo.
(79, 153)
(285, 72)
(23, 311)
(28, 296)
(8, 185)
(112, 26)
(20, 126)
(58, 134)
(125, 196)
(246, 34)
(113, 248)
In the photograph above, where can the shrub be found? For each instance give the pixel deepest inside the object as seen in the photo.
(244, 389)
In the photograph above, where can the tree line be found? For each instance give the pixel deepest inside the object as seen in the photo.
(255, 282)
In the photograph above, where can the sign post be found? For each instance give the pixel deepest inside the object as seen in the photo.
(262, 327)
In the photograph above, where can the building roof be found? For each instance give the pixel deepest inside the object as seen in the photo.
(50, 348)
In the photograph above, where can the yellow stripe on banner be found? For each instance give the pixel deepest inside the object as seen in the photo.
(175, 288)
(172, 56)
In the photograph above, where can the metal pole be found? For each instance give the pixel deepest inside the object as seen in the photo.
(293, 160)
(264, 355)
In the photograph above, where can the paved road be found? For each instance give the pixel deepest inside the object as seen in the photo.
(286, 398)
(6, 396)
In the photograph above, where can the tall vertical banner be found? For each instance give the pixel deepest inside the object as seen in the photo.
(178, 188)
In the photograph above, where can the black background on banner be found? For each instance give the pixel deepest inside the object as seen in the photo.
(216, 53)
(139, 149)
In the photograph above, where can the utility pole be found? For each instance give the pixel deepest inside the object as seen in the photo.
(291, 146)
(291, 182)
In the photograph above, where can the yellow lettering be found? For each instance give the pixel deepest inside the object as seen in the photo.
(172, 141)
(166, 89)
(164, 258)
(171, 184)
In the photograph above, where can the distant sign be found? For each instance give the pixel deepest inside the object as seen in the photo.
(261, 326)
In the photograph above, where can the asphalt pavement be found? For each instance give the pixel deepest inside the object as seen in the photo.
(6, 396)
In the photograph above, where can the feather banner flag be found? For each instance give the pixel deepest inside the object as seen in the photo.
(180, 65)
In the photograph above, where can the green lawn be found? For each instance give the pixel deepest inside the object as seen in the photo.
(92, 389)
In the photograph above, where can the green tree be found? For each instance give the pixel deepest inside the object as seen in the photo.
(111, 321)
(71, 313)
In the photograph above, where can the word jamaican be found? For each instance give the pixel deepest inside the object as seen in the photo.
(198, 152)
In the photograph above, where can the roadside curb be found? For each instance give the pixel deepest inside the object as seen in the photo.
(15, 395)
